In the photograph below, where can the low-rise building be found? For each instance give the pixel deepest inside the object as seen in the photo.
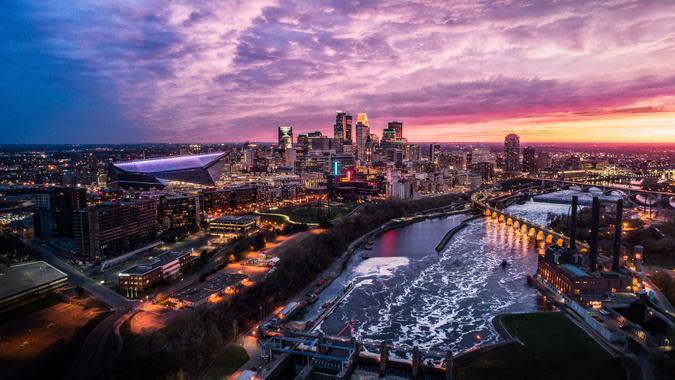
(21, 283)
(559, 268)
(139, 278)
(234, 224)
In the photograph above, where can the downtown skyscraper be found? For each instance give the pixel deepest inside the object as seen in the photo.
(397, 127)
(362, 133)
(512, 153)
(529, 160)
(285, 137)
(342, 129)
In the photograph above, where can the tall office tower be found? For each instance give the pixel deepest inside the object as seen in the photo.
(512, 153)
(342, 130)
(434, 152)
(529, 160)
(249, 154)
(339, 126)
(397, 126)
(115, 228)
(285, 137)
(362, 119)
(348, 129)
(362, 133)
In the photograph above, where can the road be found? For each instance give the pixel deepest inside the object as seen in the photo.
(109, 297)
(247, 339)
(91, 360)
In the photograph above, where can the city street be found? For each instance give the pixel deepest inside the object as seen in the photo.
(108, 296)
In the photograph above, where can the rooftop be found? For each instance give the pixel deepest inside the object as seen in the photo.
(155, 165)
(141, 268)
(574, 270)
(25, 277)
(156, 262)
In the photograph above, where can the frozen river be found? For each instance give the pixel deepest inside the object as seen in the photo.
(407, 293)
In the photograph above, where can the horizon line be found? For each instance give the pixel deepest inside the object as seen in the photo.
(410, 142)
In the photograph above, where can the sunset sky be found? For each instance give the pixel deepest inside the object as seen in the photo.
(221, 71)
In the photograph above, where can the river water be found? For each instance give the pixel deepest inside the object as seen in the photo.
(409, 294)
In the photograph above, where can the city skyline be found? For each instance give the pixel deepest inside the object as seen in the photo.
(337, 189)
(548, 71)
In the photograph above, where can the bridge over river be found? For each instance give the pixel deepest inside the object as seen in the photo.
(519, 223)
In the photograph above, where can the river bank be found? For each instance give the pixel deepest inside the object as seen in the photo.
(329, 275)
(406, 292)
(446, 239)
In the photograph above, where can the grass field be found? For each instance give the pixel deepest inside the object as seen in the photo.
(226, 363)
(308, 213)
(555, 349)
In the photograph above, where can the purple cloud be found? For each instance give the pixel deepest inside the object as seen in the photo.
(224, 71)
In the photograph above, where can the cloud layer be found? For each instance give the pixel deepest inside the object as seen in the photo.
(96, 71)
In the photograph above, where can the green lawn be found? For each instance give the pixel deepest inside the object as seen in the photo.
(555, 349)
(226, 363)
(308, 213)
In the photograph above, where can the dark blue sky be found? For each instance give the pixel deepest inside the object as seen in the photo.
(49, 94)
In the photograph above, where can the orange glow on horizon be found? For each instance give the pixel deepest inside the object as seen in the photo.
(638, 128)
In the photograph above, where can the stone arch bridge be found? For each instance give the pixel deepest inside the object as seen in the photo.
(524, 226)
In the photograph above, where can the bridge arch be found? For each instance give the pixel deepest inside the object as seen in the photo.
(539, 235)
(487, 212)
(494, 214)
(560, 242)
(501, 218)
(646, 200)
(523, 228)
(509, 221)
(616, 193)
(516, 223)
(549, 239)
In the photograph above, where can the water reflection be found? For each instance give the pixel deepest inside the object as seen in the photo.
(408, 294)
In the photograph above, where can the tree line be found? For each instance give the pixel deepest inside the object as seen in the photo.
(191, 340)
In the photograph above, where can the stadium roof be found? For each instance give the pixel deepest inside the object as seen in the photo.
(170, 163)
(202, 169)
